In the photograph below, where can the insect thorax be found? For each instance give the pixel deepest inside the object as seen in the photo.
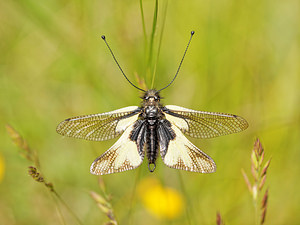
(151, 114)
(151, 107)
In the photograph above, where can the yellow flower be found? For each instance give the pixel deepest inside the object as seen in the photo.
(163, 202)
(1, 168)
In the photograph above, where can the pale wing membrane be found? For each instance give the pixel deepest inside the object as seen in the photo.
(99, 127)
(200, 124)
(180, 153)
(124, 155)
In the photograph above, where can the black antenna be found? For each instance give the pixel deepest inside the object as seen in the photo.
(192, 33)
(103, 37)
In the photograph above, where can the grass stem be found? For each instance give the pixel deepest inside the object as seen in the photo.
(67, 207)
(143, 22)
(59, 212)
(189, 203)
(133, 195)
(160, 41)
(152, 37)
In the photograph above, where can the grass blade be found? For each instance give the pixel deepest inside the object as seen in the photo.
(152, 37)
(160, 41)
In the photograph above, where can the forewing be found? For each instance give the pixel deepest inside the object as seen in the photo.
(124, 155)
(180, 153)
(200, 124)
(99, 127)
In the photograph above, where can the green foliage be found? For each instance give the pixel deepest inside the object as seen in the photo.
(243, 59)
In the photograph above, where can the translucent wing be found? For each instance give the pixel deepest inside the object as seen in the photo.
(199, 124)
(99, 127)
(180, 153)
(124, 155)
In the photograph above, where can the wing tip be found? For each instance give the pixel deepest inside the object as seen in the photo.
(213, 169)
(60, 127)
(243, 121)
(93, 170)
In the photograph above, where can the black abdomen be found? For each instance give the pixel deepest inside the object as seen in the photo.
(152, 146)
(151, 115)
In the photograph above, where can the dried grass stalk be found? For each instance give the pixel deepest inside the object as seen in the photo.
(105, 207)
(34, 171)
(219, 219)
(22, 144)
(259, 175)
(103, 202)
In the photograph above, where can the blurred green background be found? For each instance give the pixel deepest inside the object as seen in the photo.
(244, 59)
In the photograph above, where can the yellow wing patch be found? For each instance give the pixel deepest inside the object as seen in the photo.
(122, 156)
(182, 154)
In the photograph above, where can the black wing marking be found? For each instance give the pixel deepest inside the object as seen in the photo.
(139, 134)
(99, 127)
(200, 124)
(179, 153)
(165, 135)
(124, 155)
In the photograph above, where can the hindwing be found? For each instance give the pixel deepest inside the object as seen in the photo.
(126, 154)
(179, 153)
